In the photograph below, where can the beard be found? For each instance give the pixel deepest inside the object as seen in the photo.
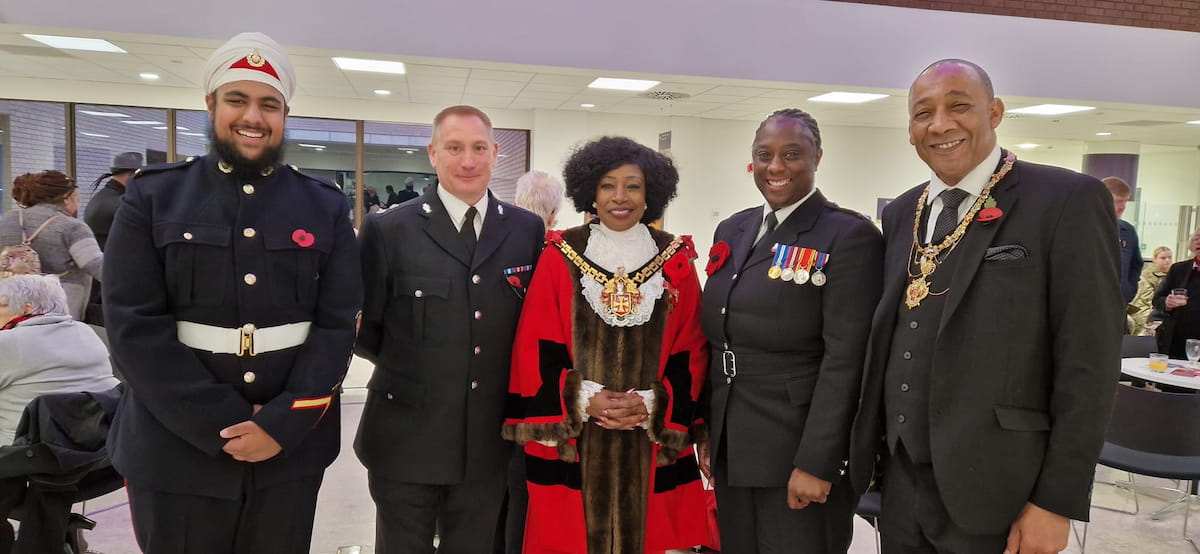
(243, 167)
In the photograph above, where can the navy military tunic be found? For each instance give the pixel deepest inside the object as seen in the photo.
(193, 244)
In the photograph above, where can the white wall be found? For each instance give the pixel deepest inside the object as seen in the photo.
(1167, 180)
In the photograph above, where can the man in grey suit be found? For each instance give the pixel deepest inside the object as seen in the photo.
(444, 278)
(995, 350)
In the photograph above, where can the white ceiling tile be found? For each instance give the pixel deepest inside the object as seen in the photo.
(414, 90)
(486, 101)
(156, 49)
(686, 88)
(533, 94)
(580, 81)
(739, 91)
(423, 97)
(718, 98)
(493, 75)
(425, 80)
(564, 89)
(484, 86)
(437, 70)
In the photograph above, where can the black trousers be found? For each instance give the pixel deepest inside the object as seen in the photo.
(510, 530)
(407, 514)
(913, 519)
(274, 519)
(757, 520)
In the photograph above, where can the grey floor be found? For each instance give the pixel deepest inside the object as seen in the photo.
(345, 514)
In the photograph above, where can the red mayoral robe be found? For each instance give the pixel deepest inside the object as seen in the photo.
(594, 490)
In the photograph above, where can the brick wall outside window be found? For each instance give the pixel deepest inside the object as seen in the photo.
(1179, 15)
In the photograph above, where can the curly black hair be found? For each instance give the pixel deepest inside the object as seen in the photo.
(590, 162)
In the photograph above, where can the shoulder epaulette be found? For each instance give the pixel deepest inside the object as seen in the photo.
(849, 211)
(747, 210)
(318, 180)
(160, 168)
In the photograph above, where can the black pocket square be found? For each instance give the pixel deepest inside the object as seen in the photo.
(1006, 252)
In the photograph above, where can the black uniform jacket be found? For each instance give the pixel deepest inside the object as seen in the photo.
(439, 326)
(798, 349)
(191, 243)
(1027, 353)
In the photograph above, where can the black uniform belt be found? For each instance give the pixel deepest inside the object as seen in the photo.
(735, 364)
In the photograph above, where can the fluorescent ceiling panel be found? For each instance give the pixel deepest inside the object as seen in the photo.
(77, 43)
(1051, 109)
(610, 83)
(847, 97)
(373, 66)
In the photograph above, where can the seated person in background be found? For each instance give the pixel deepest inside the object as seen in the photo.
(1142, 304)
(43, 350)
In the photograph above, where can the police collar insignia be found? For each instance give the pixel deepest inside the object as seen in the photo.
(425, 208)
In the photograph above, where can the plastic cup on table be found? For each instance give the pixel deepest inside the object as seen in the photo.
(1158, 362)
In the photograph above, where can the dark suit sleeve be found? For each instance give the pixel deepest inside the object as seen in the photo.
(1164, 288)
(375, 290)
(325, 356)
(164, 374)
(1134, 272)
(1085, 308)
(855, 283)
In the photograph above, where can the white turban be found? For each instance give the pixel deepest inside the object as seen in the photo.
(251, 57)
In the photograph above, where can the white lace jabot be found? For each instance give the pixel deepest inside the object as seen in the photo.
(613, 250)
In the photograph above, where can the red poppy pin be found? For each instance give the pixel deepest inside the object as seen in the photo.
(302, 238)
(515, 281)
(716, 257)
(554, 236)
(989, 212)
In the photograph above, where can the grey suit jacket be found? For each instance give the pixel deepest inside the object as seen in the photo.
(798, 348)
(439, 326)
(1027, 354)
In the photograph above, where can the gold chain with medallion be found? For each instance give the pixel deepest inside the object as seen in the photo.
(928, 258)
(620, 295)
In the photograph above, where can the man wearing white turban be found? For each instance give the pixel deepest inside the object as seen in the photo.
(236, 286)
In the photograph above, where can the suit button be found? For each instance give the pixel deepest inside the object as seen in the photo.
(476, 279)
(250, 279)
(187, 236)
(248, 232)
(725, 346)
(249, 377)
(912, 325)
(722, 311)
(908, 355)
(900, 418)
(418, 293)
(474, 385)
(389, 396)
(478, 350)
(734, 277)
(478, 314)
(903, 387)
(248, 188)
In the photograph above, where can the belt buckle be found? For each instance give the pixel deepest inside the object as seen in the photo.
(729, 363)
(247, 340)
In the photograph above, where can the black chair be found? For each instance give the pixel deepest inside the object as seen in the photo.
(869, 507)
(1141, 440)
(1133, 346)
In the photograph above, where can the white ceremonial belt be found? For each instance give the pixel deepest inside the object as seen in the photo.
(246, 340)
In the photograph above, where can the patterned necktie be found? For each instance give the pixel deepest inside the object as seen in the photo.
(467, 231)
(947, 219)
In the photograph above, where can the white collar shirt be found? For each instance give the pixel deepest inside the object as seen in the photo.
(457, 209)
(972, 184)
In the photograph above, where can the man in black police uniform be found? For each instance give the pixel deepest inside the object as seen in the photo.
(438, 322)
(232, 286)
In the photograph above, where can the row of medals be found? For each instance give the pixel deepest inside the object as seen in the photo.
(797, 271)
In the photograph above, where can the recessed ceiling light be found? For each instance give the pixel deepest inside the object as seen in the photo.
(1027, 145)
(382, 92)
(97, 135)
(587, 105)
(148, 76)
(374, 66)
(1051, 109)
(77, 43)
(143, 122)
(1196, 122)
(103, 114)
(847, 97)
(611, 83)
(1103, 134)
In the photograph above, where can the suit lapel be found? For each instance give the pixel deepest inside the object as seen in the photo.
(975, 243)
(789, 230)
(440, 229)
(744, 241)
(494, 230)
